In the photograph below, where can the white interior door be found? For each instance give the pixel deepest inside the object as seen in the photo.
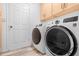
(18, 26)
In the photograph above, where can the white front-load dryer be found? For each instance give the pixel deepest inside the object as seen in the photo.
(38, 38)
(62, 36)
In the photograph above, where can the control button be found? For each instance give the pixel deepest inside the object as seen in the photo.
(74, 24)
(52, 22)
(40, 24)
(57, 22)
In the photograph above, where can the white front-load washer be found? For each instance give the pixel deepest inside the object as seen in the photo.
(38, 38)
(62, 36)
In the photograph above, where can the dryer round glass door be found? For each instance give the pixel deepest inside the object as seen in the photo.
(59, 41)
(36, 36)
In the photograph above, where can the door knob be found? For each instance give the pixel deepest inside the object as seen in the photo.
(11, 26)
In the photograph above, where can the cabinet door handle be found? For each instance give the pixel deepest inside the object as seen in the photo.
(63, 5)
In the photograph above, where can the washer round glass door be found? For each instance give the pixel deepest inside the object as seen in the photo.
(59, 41)
(36, 36)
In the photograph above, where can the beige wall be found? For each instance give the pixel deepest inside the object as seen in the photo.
(1, 16)
(0, 34)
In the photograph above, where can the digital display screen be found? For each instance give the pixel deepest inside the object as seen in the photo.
(71, 19)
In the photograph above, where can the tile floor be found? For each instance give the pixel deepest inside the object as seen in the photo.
(29, 51)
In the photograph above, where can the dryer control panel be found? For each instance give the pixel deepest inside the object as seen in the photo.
(70, 19)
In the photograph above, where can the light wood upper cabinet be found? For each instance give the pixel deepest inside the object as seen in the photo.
(70, 5)
(46, 11)
(50, 10)
(53, 10)
(56, 8)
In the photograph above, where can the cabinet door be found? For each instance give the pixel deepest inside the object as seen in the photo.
(70, 5)
(56, 8)
(45, 11)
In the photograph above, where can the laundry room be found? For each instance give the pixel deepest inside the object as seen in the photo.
(39, 29)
